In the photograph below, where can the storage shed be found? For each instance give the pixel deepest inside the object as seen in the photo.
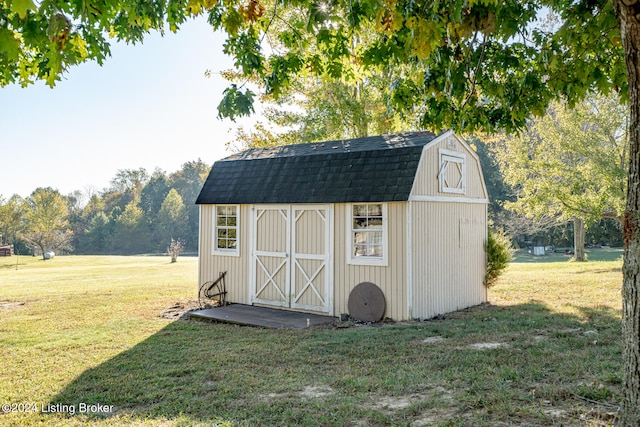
(299, 226)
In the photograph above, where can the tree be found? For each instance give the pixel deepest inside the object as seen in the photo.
(314, 111)
(174, 249)
(188, 182)
(569, 165)
(11, 214)
(130, 233)
(41, 40)
(172, 219)
(46, 221)
(153, 194)
(485, 65)
(98, 235)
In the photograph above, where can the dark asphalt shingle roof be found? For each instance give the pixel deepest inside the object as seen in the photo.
(372, 169)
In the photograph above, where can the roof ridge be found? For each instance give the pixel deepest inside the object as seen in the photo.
(369, 143)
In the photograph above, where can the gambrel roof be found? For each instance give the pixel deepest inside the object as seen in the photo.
(371, 169)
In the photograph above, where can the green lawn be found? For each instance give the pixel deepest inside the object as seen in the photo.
(546, 351)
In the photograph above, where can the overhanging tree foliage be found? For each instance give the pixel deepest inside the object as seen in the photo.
(483, 65)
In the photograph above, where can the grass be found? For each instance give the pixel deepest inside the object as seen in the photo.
(545, 351)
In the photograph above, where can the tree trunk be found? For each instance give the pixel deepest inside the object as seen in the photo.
(578, 239)
(629, 23)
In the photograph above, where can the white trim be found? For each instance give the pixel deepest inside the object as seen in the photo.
(382, 261)
(200, 207)
(486, 261)
(252, 252)
(225, 252)
(330, 263)
(447, 199)
(409, 255)
(447, 158)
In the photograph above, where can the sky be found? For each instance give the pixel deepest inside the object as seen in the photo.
(148, 106)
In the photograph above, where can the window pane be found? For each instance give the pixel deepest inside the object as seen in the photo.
(222, 244)
(232, 244)
(359, 238)
(231, 233)
(359, 223)
(222, 233)
(375, 223)
(232, 221)
(222, 221)
(231, 210)
(359, 210)
(375, 250)
(367, 230)
(374, 210)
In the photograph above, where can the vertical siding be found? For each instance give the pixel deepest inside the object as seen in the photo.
(237, 267)
(448, 257)
(426, 182)
(392, 279)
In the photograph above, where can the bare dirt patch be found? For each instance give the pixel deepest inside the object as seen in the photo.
(487, 345)
(433, 340)
(434, 416)
(308, 392)
(446, 405)
(180, 310)
(10, 305)
(315, 392)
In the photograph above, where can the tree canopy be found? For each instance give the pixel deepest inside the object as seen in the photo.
(474, 64)
(46, 222)
(569, 163)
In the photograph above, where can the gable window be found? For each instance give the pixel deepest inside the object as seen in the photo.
(368, 235)
(453, 172)
(226, 230)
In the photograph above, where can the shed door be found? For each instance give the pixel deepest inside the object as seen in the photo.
(291, 257)
(270, 255)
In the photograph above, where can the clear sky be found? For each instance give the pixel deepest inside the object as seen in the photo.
(149, 105)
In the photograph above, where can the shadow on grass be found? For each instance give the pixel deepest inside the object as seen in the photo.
(213, 373)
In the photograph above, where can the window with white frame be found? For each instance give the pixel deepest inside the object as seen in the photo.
(226, 230)
(368, 236)
(453, 172)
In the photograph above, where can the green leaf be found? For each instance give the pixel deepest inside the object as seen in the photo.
(235, 103)
(21, 7)
(9, 45)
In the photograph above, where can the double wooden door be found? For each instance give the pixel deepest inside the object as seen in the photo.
(291, 256)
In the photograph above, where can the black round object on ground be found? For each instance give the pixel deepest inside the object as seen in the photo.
(367, 303)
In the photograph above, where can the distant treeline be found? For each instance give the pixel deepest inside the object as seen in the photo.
(138, 213)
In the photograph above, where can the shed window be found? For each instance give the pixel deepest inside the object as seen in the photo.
(452, 173)
(367, 240)
(226, 229)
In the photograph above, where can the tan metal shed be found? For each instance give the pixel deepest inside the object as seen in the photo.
(299, 226)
